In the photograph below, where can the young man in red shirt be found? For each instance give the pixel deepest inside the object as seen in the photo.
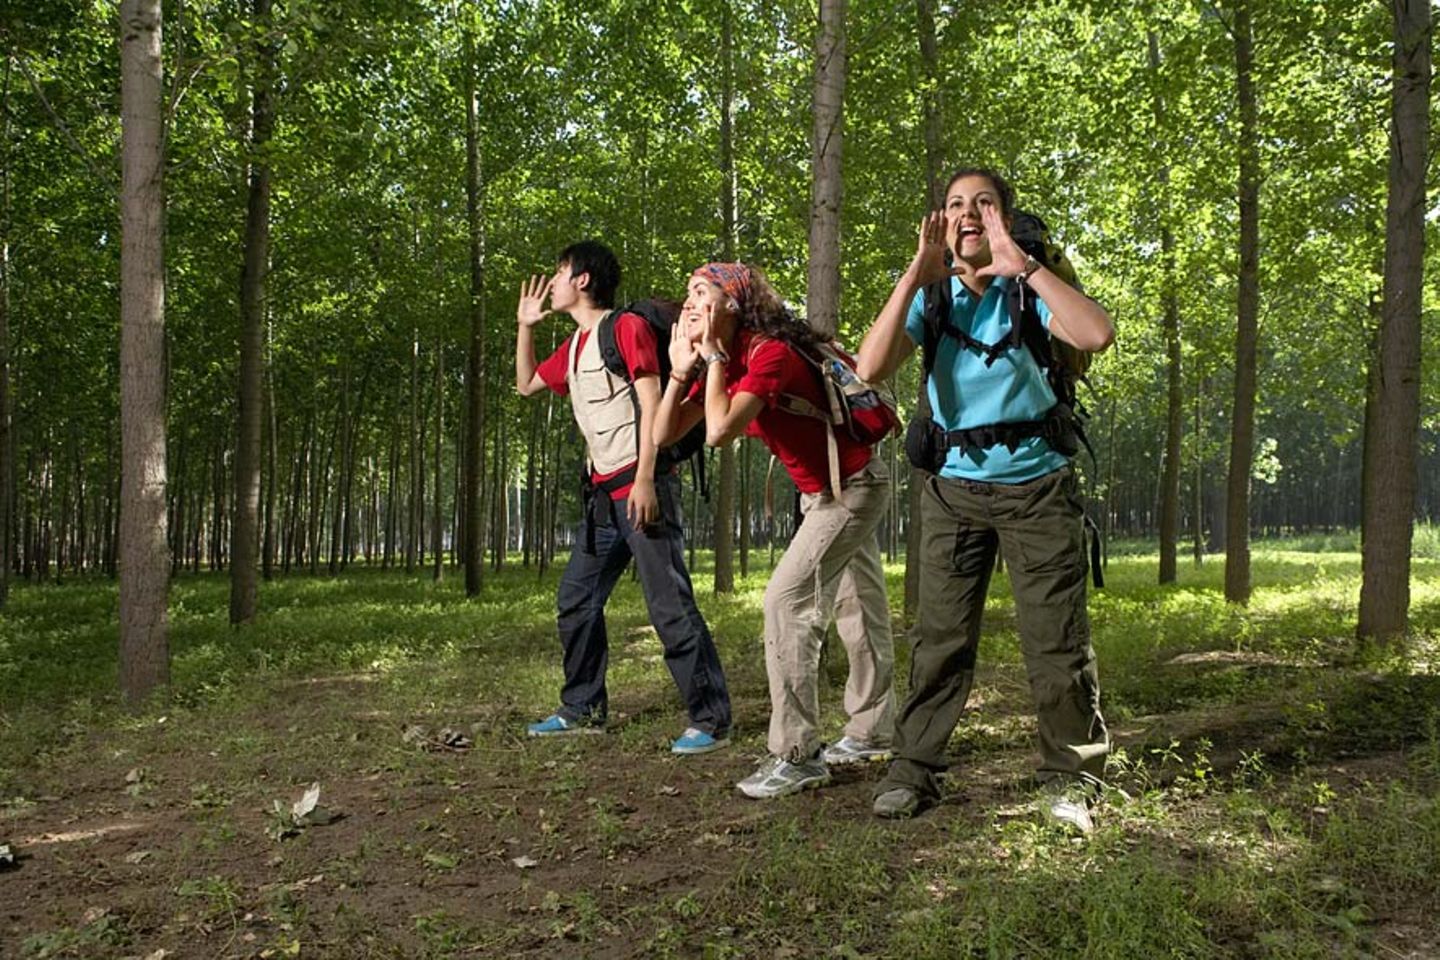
(632, 511)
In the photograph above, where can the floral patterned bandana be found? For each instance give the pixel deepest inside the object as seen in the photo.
(733, 278)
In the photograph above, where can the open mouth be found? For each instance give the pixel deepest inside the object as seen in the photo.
(969, 232)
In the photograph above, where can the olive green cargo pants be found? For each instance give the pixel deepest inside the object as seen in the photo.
(1039, 526)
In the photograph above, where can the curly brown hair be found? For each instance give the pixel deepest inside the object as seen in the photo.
(765, 313)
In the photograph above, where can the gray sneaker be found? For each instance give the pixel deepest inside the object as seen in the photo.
(1068, 807)
(777, 777)
(849, 750)
(897, 803)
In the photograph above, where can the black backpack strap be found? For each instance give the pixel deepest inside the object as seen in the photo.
(935, 316)
(1025, 324)
(609, 349)
(1097, 558)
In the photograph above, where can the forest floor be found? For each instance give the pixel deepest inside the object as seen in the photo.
(1274, 790)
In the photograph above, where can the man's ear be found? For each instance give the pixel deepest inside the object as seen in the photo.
(581, 281)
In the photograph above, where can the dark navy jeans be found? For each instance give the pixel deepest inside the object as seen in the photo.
(660, 563)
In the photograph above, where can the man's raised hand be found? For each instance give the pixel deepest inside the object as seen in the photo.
(533, 292)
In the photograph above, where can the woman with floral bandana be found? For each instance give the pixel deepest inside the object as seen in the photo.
(747, 350)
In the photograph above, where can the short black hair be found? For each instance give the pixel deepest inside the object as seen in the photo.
(1003, 190)
(599, 261)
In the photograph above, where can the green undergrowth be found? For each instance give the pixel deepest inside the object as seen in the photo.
(1274, 787)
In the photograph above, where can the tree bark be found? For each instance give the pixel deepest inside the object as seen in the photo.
(437, 534)
(475, 374)
(7, 447)
(530, 492)
(1392, 416)
(724, 538)
(823, 286)
(1198, 529)
(244, 577)
(144, 566)
(272, 460)
(1242, 421)
(933, 124)
(412, 519)
(392, 499)
(1170, 325)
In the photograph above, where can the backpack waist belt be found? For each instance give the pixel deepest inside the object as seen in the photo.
(927, 445)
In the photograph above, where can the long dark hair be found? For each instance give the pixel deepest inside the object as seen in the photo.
(764, 313)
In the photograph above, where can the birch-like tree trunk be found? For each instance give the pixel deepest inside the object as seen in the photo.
(1170, 324)
(1242, 420)
(1392, 416)
(7, 446)
(725, 496)
(144, 566)
(437, 533)
(933, 125)
(826, 186)
(244, 577)
(475, 373)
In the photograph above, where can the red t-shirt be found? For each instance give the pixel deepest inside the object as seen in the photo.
(767, 368)
(638, 348)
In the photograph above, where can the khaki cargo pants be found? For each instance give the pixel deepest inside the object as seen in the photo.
(831, 569)
(1038, 525)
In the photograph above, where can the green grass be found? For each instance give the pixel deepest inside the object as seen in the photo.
(1276, 785)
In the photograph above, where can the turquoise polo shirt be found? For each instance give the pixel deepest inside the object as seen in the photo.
(965, 393)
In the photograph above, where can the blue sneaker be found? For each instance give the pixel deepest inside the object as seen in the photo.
(698, 741)
(557, 726)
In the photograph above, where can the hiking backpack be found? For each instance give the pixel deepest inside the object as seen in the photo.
(866, 412)
(661, 315)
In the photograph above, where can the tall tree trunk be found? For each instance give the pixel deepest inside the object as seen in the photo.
(1392, 414)
(499, 519)
(438, 533)
(349, 525)
(244, 577)
(340, 448)
(823, 286)
(220, 508)
(412, 519)
(931, 120)
(530, 491)
(475, 374)
(1242, 421)
(745, 507)
(1170, 324)
(144, 566)
(1198, 521)
(724, 535)
(272, 461)
(7, 447)
(392, 498)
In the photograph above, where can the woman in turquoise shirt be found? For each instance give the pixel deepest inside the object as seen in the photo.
(1017, 494)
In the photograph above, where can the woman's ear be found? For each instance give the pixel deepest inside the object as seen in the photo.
(732, 305)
